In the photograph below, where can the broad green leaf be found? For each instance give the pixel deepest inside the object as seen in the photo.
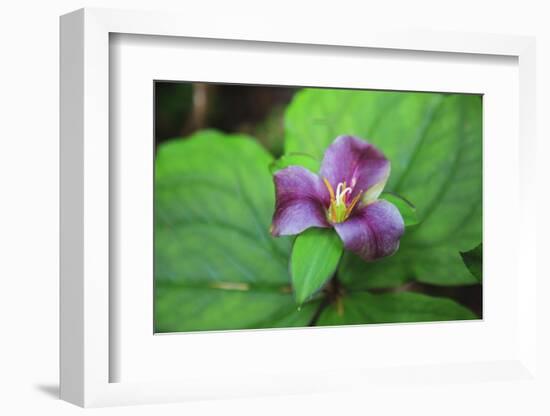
(405, 207)
(183, 308)
(368, 308)
(216, 265)
(474, 261)
(433, 142)
(296, 159)
(315, 256)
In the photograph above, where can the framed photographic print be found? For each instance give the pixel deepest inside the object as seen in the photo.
(236, 209)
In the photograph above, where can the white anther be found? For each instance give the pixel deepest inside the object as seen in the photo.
(341, 193)
(338, 189)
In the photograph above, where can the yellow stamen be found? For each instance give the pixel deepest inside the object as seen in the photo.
(338, 209)
(329, 187)
(353, 203)
(333, 212)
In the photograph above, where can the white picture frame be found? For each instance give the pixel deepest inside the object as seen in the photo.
(87, 167)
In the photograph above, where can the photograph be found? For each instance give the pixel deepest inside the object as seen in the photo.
(293, 206)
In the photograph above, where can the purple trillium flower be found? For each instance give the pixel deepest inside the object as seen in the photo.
(344, 196)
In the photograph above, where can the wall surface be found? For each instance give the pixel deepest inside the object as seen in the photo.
(29, 182)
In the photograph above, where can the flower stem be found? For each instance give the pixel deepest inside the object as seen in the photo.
(333, 292)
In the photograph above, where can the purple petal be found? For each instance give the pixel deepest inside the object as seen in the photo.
(301, 198)
(357, 162)
(373, 231)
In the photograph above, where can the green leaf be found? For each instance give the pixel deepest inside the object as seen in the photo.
(367, 308)
(433, 142)
(474, 261)
(315, 256)
(296, 159)
(405, 207)
(216, 265)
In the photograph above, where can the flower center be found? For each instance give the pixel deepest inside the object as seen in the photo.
(341, 203)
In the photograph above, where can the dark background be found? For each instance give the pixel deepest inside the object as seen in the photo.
(183, 108)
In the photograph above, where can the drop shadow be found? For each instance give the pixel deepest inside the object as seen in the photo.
(51, 390)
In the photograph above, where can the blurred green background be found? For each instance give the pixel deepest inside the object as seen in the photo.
(218, 268)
